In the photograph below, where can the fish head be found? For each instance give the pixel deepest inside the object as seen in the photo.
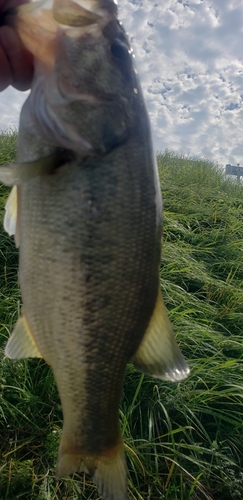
(85, 89)
(95, 74)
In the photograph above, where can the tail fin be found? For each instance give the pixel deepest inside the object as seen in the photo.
(108, 471)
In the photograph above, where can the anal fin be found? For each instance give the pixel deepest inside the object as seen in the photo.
(158, 354)
(21, 344)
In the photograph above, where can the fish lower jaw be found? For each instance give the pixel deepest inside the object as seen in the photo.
(90, 98)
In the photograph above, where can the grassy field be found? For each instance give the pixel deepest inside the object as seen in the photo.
(183, 441)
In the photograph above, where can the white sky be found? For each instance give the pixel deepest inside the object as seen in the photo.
(189, 55)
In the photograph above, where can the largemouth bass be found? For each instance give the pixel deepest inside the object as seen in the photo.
(86, 213)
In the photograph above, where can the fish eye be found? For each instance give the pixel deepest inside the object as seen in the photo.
(119, 51)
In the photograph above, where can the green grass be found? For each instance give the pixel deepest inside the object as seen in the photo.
(183, 441)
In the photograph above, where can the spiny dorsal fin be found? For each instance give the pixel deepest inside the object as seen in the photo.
(22, 343)
(158, 354)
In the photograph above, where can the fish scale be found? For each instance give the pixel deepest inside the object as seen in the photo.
(88, 225)
(97, 321)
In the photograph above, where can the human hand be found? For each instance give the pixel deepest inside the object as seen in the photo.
(16, 63)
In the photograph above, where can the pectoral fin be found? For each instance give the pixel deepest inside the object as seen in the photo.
(22, 343)
(158, 354)
(17, 173)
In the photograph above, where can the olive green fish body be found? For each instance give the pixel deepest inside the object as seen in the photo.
(86, 216)
(95, 277)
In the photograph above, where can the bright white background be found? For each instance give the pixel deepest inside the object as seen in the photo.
(189, 55)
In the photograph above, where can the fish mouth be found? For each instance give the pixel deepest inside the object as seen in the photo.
(81, 13)
(90, 99)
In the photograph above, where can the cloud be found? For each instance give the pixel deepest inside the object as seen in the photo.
(189, 59)
(11, 102)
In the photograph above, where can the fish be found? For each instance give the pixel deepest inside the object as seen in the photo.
(86, 214)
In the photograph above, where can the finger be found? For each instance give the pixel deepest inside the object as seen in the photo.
(6, 77)
(20, 60)
(9, 4)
